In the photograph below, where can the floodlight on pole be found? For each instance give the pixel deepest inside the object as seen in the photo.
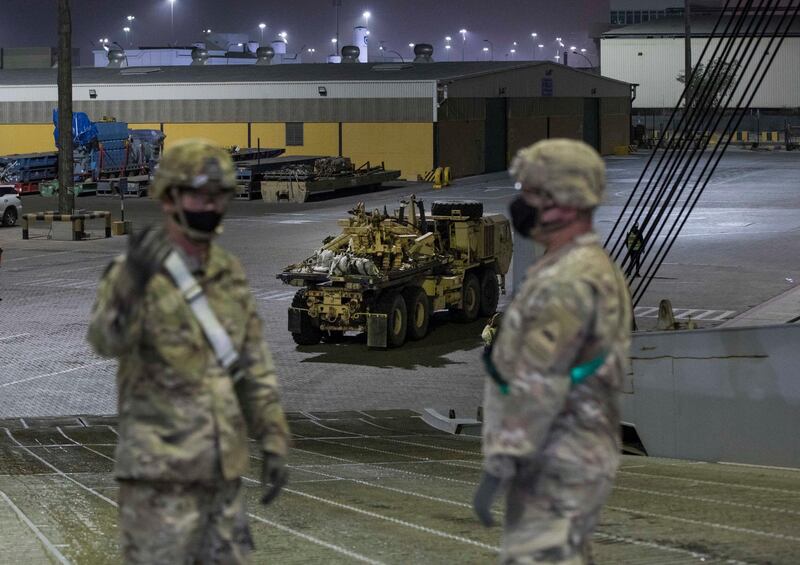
(262, 26)
(127, 31)
(172, 20)
(534, 35)
(463, 33)
(366, 16)
(490, 48)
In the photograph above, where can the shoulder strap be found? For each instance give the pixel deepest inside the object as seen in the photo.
(193, 293)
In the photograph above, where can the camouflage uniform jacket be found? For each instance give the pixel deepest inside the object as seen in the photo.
(181, 417)
(572, 308)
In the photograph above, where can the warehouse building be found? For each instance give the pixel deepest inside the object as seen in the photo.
(651, 55)
(471, 116)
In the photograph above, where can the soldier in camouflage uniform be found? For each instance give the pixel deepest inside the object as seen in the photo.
(183, 415)
(551, 432)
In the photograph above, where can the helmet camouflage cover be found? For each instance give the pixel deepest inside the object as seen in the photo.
(192, 164)
(570, 171)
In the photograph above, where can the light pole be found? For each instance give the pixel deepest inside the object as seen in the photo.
(490, 48)
(130, 26)
(534, 35)
(262, 26)
(447, 46)
(540, 46)
(582, 53)
(513, 52)
(463, 33)
(127, 30)
(172, 20)
(366, 16)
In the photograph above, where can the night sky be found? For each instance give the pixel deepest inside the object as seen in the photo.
(312, 23)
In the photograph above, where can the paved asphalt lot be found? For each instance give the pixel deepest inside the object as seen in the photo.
(738, 251)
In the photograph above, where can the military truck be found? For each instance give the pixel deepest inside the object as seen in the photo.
(387, 273)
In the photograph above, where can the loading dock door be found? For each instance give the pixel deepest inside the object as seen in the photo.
(591, 122)
(495, 142)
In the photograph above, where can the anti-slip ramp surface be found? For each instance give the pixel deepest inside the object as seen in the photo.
(383, 487)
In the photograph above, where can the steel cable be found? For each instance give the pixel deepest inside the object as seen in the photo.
(702, 119)
(669, 122)
(702, 184)
(685, 131)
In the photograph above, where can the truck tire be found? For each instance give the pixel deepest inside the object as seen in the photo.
(471, 299)
(394, 306)
(309, 333)
(419, 312)
(490, 291)
(472, 209)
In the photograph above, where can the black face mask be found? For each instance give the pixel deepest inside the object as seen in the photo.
(523, 216)
(202, 221)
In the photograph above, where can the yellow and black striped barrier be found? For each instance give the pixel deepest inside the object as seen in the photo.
(439, 177)
(78, 221)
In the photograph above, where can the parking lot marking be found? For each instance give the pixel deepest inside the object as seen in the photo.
(709, 500)
(312, 539)
(65, 371)
(705, 482)
(390, 519)
(42, 538)
(704, 523)
(12, 336)
(684, 313)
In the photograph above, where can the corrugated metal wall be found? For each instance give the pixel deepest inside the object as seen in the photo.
(654, 63)
(234, 110)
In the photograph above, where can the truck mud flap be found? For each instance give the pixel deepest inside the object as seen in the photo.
(376, 330)
(299, 320)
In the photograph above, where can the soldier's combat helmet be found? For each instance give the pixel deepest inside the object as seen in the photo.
(193, 164)
(570, 171)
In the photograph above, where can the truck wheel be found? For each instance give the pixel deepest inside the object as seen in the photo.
(10, 216)
(309, 333)
(471, 298)
(490, 292)
(394, 306)
(472, 209)
(419, 312)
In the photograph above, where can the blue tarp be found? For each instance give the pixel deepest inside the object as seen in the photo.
(83, 129)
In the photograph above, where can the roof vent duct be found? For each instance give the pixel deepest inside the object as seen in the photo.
(116, 58)
(423, 53)
(265, 55)
(199, 57)
(350, 54)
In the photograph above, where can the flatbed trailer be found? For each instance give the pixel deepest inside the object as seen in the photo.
(298, 186)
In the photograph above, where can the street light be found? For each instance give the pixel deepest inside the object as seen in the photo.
(127, 30)
(513, 53)
(491, 45)
(534, 35)
(540, 46)
(172, 20)
(366, 15)
(262, 26)
(447, 48)
(582, 53)
(463, 33)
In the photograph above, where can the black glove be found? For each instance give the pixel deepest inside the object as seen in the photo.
(274, 476)
(147, 251)
(484, 497)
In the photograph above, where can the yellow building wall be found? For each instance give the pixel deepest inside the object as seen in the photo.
(225, 134)
(26, 138)
(404, 146)
(318, 138)
(272, 135)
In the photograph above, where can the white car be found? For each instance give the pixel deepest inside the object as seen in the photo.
(10, 205)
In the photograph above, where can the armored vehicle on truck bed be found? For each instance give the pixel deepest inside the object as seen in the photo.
(387, 273)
